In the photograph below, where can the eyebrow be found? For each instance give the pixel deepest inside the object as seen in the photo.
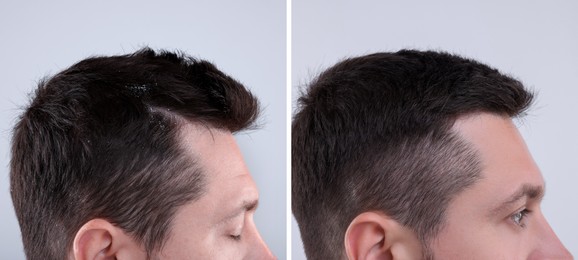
(528, 191)
(246, 205)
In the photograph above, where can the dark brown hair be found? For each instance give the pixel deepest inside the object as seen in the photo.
(373, 133)
(101, 140)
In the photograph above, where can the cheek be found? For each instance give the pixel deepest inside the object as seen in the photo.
(190, 240)
(208, 247)
(471, 242)
(228, 249)
(182, 246)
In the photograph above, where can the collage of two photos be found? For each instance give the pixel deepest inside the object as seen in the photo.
(288, 130)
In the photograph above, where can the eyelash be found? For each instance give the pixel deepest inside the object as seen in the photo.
(518, 217)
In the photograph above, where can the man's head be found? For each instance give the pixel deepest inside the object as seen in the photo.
(388, 153)
(134, 156)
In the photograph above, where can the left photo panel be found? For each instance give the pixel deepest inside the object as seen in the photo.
(143, 130)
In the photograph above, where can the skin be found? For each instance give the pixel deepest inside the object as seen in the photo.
(220, 224)
(489, 220)
(498, 217)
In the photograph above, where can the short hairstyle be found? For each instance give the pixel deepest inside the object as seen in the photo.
(101, 140)
(373, 133)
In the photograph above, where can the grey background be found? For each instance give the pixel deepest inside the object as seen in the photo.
(245, 39)
(536, 41)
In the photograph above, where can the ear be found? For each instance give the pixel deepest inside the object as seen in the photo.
(98, 239)
(373, 235)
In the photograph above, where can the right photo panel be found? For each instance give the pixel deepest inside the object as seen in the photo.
(434, 130)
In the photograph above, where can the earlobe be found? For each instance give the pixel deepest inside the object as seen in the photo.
(373, 235)
(100, 239)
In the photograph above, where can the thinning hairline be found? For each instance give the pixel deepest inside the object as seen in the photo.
(179, 123)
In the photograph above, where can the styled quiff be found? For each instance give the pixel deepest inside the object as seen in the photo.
(101, 140)
(373, 133)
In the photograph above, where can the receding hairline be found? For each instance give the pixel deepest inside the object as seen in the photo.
(474, 88)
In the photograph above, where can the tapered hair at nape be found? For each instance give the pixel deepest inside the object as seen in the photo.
(101, 140)
(374, 133)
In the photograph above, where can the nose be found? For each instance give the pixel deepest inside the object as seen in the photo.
(548, 244)
(260, 250)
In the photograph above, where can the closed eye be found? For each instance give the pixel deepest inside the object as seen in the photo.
(235, 237)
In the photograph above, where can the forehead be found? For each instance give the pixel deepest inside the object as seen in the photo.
(214, 150)
(198, 225)
(506, 161)
(228, 182)
(507, 167)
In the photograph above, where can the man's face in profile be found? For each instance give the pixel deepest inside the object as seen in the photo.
(498, 217)
(220, 224)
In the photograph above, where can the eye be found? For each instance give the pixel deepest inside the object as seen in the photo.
(235, 237)
(519, 217)
(233, 229)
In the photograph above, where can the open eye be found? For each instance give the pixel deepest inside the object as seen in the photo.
(519, 217)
